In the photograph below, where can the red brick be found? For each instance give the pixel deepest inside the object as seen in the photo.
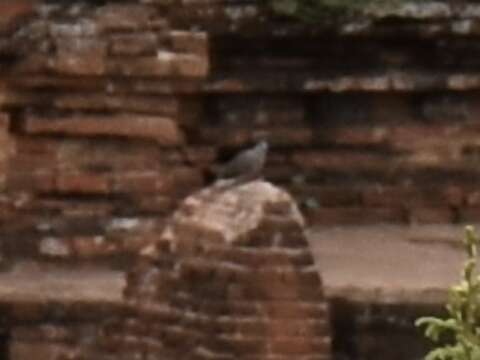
(13, 11)
(455, 195)
(412, 196)
(54, 247)
(179, 181)
(473, 198)
(345, 161)
(470, 214)
(190, 42)
(355, 136)
(163, 130)
(290, 136)
(388, 196)
(83, 154)
(162, 204)
(6, 149)
(292, 346)
(93, 246)
(201, 155)
(36, 146)
(17, 98)
(277, 113)
(194, 66)
(355, 215)
(225, 137)
(27, 310)
(83, 183)
(308, 328)
(4, 121)
(161, 66)
(280, 309)
(42, 350)
(328, 196)
(72, 208)
(134, 43)
(142, 182)
(162, 105)
(42, 181)
(80, 56)
(429, 215)
(124, 16)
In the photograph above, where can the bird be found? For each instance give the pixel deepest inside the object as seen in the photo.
(247, 165)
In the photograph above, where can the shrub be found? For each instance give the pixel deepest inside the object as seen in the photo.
(458, 336)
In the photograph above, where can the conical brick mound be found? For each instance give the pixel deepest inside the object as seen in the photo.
(231, 277)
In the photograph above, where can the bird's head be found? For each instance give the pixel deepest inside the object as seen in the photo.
(262, 146)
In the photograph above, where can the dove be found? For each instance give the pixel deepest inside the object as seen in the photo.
(248, 164)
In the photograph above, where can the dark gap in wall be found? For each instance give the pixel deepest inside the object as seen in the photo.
(4, 344)
(307, 54)
(342, 320)
(364, 331)
(16, 116)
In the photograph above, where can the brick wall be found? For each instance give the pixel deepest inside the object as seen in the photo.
(113, 111)
(220, 286)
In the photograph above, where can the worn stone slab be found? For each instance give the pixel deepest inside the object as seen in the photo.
(388, 264)
(163, 130)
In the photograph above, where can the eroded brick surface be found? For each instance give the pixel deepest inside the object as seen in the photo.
(221, 281)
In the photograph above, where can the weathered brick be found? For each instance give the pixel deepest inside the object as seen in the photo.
(345, 161)
(6, 149)
(162, 204)
(20, 350)
(83, 183)
(163, 105)
(180, 180)
(412, 196)
(134, 43)
(93, 246)
(42, 181)
(29, 310)
(201, 155)
(160, 66)
(162, 130)
(329, 196)
(293, 328)
(46, 332)
(79, 56)
(141, 182)
(124, 16)
(470, 214)
(190, 42)
(285, 309)
(12, 12)
(473, 198)
(429, 215)
(300, 346)
(186, 65)
(356, 215)
(279, 113)
(55, 247)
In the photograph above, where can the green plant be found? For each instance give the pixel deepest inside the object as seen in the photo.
(460, 332)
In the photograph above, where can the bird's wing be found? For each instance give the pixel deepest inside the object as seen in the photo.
(239, 164)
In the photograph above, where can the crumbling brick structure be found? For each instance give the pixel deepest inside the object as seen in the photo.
(113, 111)
(232, 277)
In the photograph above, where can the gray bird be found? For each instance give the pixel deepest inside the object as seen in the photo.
(246, 165)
